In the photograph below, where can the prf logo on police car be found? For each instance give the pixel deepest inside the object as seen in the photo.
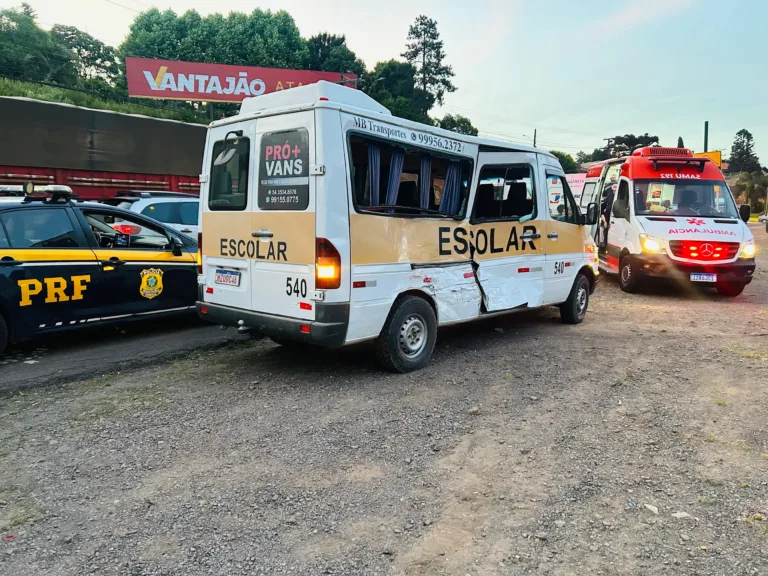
(151, 283)
(56, 289)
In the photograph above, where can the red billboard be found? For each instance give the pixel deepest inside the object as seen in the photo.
(173, 80)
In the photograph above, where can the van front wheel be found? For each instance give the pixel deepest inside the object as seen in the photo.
(408, 337)
(573, 310)
(628, 276)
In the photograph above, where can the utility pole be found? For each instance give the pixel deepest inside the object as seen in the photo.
(534, 137)
(706, 135)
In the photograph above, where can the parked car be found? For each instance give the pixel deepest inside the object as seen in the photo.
(176, 209)
(762, 218)
(65, 264)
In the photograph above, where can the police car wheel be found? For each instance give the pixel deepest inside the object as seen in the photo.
(3, 334)
(408, 338)
(573, 310)
(731, 290)
(628, 277)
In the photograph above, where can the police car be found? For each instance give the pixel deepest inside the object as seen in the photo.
(66, 263)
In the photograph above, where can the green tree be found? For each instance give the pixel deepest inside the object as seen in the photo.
(457, 123)
(27, 52)
(743, 157)
(330, 53)
(753, 186)
(391, 83)
(424, 50)
(261, 38)
(566, 161)
(680, 142)
(92, 57)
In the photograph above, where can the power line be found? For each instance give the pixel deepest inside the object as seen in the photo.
(123, 6)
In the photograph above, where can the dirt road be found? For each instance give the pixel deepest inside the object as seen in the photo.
(635, 443)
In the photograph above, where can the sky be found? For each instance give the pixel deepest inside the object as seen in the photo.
(576, 71)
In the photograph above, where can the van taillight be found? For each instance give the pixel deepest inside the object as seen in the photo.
(199, 252)
(327, 265)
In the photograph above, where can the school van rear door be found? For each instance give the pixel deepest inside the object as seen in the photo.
(259, 218)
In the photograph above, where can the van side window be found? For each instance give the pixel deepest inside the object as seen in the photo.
(404, 180)
(505, 193)
(228, 186)
(562, 206)
(621, 204)
(587, 193)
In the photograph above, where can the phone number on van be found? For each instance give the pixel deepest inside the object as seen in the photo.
(437, 142)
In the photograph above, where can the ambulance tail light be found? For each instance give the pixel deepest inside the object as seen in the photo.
(327, 265)
(199, 252)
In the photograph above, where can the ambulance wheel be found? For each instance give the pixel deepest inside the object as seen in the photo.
(408, 337)
(3, 335)
(628, 277)
(731, 290)
(573, 310)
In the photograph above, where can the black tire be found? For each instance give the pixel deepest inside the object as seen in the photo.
(408, 337)
(731, 289)
(3, 335)
(573, 310)
(629, 280)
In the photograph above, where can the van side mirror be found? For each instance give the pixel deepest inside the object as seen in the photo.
(590, 219)
(745, 212)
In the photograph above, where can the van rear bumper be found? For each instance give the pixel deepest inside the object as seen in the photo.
(329, 329)
(738, 272)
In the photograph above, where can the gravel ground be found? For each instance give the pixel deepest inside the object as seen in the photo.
(635, 443)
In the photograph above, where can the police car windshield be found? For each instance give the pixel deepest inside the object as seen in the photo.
(707, 198)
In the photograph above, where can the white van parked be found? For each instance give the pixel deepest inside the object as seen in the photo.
(327, 220)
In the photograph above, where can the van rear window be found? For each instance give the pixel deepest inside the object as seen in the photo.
(284, 170)
(228, 187)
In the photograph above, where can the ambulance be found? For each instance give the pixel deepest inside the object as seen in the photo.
(328, 221)
(673, 216)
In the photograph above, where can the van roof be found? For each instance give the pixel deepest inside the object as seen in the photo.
(324, 94)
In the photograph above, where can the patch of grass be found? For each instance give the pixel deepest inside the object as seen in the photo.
(744, 485)
(721, 402)
(751, 354)
(764, 455)
(706, 501)
(19, 517)
(4, 454)
(713, 483)
(711, 438)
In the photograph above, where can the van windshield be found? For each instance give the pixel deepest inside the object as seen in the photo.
(708, 198)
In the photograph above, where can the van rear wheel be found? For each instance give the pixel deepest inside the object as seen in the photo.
(408, 337)
(573, 310)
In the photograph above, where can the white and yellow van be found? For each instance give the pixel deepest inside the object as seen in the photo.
(327, 220)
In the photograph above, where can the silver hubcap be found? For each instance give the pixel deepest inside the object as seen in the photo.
(626, 274)
(581, 300)
(413, 335)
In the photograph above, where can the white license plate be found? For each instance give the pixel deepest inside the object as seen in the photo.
(227, 277)
(703, 277)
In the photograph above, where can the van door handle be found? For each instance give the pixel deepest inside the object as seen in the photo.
(263, 233)
(530, 236)
(552, 236)
(186, 231)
